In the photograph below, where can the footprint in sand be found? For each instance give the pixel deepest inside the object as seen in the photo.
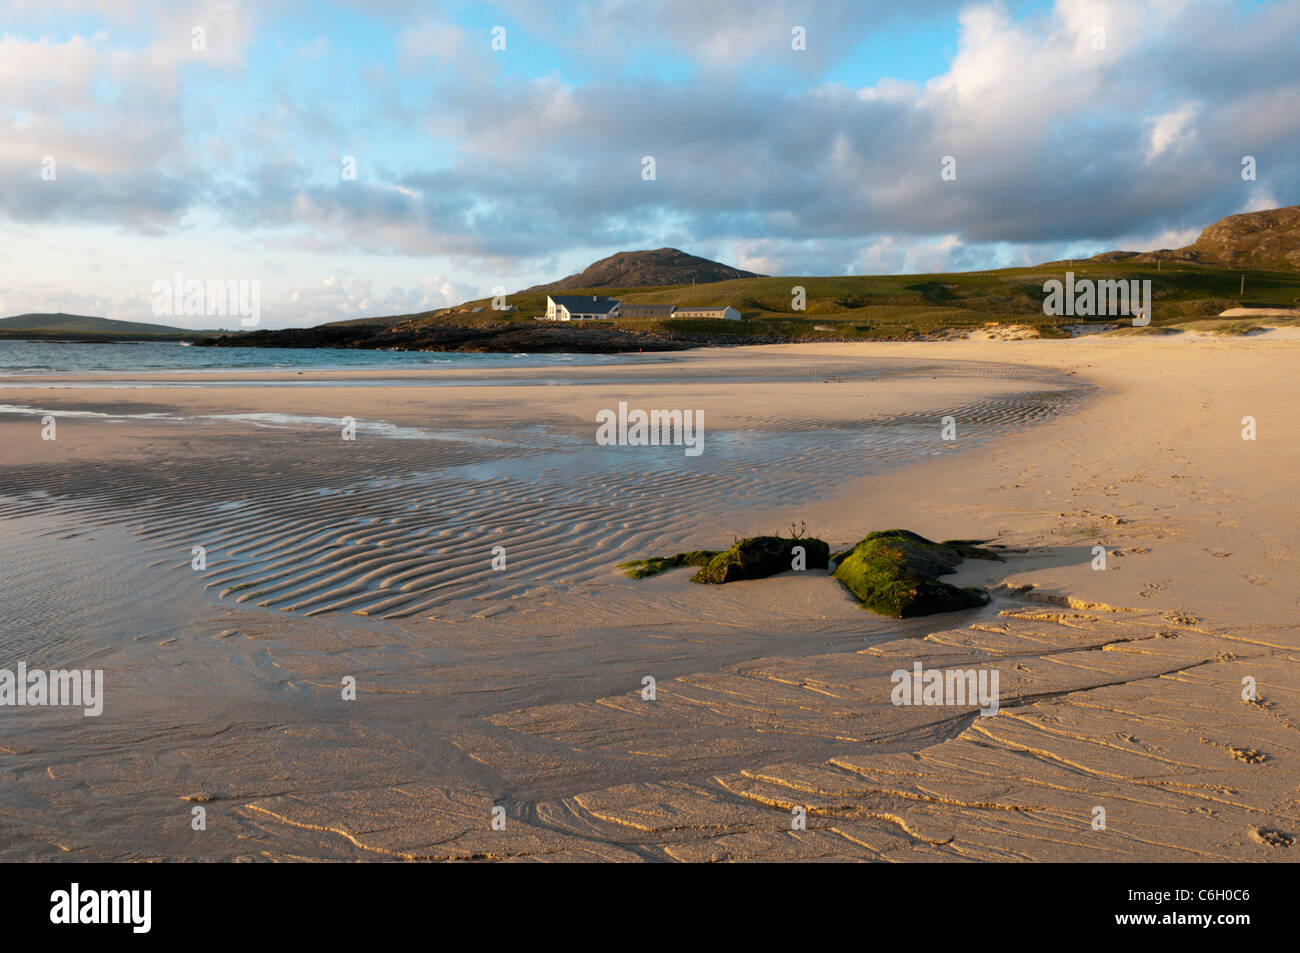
(1248, 755)
(1270, 836)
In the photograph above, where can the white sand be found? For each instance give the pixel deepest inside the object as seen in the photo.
(1120, 689)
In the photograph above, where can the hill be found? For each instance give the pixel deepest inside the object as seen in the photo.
(848, 308)
(643, 269)
(1269, 239)
(1188, 292)
(1265, 240)
(81, 326)
(626, 270)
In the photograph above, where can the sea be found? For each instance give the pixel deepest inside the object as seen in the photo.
(46, 357)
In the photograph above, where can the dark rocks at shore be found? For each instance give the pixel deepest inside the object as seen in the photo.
(511, 337)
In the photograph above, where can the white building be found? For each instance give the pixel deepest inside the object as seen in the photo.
(580, 308)
(597, 308)
(725, 314)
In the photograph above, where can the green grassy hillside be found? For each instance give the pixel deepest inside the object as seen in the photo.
(908, 306)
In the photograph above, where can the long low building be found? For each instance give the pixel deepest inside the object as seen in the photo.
(645, 311)
(597, 308)
(726, 314)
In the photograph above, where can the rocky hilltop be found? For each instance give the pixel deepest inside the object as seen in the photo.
(645, 269)
(1267, 240)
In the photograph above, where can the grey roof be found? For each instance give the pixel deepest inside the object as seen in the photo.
(647, 308)
(586, 304)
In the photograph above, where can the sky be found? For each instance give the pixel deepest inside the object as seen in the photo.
(384, 157)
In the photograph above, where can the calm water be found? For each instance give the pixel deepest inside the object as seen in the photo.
(43, 357)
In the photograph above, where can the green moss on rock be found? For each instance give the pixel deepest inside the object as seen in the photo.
(759, 556)
(895, 572)
(752, 558)
(641, 568)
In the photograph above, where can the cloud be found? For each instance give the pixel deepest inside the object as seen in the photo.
(341, 296)
(1170, 131)
(1086, 124)
(1054, 140)
(105, 116)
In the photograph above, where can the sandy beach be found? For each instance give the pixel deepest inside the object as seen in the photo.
(1121, 689)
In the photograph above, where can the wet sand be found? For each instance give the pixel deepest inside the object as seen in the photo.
(522, 688)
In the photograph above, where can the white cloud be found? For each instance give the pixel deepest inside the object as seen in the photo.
(1170, 131)
(1259, 200)
(499, 175)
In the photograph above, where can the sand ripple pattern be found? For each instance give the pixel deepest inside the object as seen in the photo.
(393, 528)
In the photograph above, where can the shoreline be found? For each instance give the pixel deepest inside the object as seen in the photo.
(1002, 334)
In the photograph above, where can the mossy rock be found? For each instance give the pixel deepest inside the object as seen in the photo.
(641, 568)
(761, 556)
(896, 573)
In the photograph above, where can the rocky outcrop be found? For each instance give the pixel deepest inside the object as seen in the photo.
(1266, 240)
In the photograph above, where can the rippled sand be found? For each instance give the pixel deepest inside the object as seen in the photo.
(300, 520)
(521, 688)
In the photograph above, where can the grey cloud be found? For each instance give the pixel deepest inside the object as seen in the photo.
(1051, 152)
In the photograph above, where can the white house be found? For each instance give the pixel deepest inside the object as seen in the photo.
(597, 308)
(580, 308)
